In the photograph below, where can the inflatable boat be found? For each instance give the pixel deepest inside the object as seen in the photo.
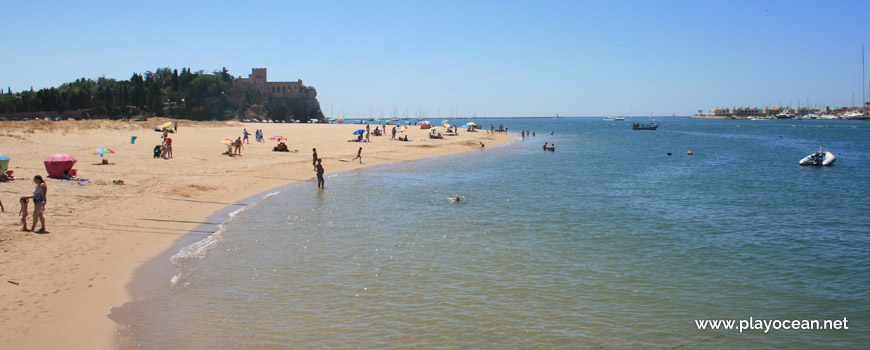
(820, 158)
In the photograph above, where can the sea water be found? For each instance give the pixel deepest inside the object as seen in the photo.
(609, 242)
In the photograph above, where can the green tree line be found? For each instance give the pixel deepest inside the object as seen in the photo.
(166, 92)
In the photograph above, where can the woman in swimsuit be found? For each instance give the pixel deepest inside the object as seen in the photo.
(39, 199)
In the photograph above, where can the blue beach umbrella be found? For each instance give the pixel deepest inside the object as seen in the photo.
(359, 131)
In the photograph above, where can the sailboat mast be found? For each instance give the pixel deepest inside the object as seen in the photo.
(863, 78)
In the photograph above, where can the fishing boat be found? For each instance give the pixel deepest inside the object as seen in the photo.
(645, 126)
(820, 158)
(609, 118)
(619, 118)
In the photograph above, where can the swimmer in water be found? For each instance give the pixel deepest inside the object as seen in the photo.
(457, 199)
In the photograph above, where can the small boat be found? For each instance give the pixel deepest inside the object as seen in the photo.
(619, 118)
(786, 115)
(608, 118)
(645, 126)
(820, 158)
(853, 115)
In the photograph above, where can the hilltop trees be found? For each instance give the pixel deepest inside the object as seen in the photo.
(189, 95)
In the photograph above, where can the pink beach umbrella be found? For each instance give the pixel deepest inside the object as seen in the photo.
(57, 164)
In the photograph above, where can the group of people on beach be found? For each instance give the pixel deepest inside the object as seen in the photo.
(40, 192)
(258, 136)
(164, 149)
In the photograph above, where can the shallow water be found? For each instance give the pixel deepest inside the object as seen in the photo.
(606, 243)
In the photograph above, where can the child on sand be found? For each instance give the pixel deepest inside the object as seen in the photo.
(23, 213)
(358, 155)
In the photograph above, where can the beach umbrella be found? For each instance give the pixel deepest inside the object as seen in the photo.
(166, 125)
(445, 121)
(102, 151)
(425, 122)
(358, 131)
(58, 163)
(277, 137)
(471, 123)
(4, 162)
(445, 125)
(402, 128)
(340, 120)
(227, 141)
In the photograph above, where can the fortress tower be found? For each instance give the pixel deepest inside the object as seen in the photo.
(287, 100)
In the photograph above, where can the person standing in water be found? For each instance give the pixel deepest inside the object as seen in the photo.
(319, 169)
(545, 146)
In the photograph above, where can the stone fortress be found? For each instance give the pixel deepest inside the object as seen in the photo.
(286, 100)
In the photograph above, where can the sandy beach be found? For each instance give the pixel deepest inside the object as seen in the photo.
(57, 288)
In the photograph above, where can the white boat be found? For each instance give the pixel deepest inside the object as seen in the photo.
(820, 158)
(608, 118)
(786, 115)
(619, 118)
(853, 115)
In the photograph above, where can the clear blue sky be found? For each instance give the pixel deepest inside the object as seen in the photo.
(492, 58)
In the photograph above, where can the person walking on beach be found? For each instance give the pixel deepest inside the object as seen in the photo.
(358, 156)
(245, 133)
(164, 149)
(169, 147)
(319, 169)
(238, 146)
(394, 133)
(39, 198)
(314, 160)
(23, 213)
(176, 128)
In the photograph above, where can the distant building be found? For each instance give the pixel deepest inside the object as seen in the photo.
(745, 112)
(288, 100)
(257, 80)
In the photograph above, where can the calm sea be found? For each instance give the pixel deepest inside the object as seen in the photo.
(606, 243)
